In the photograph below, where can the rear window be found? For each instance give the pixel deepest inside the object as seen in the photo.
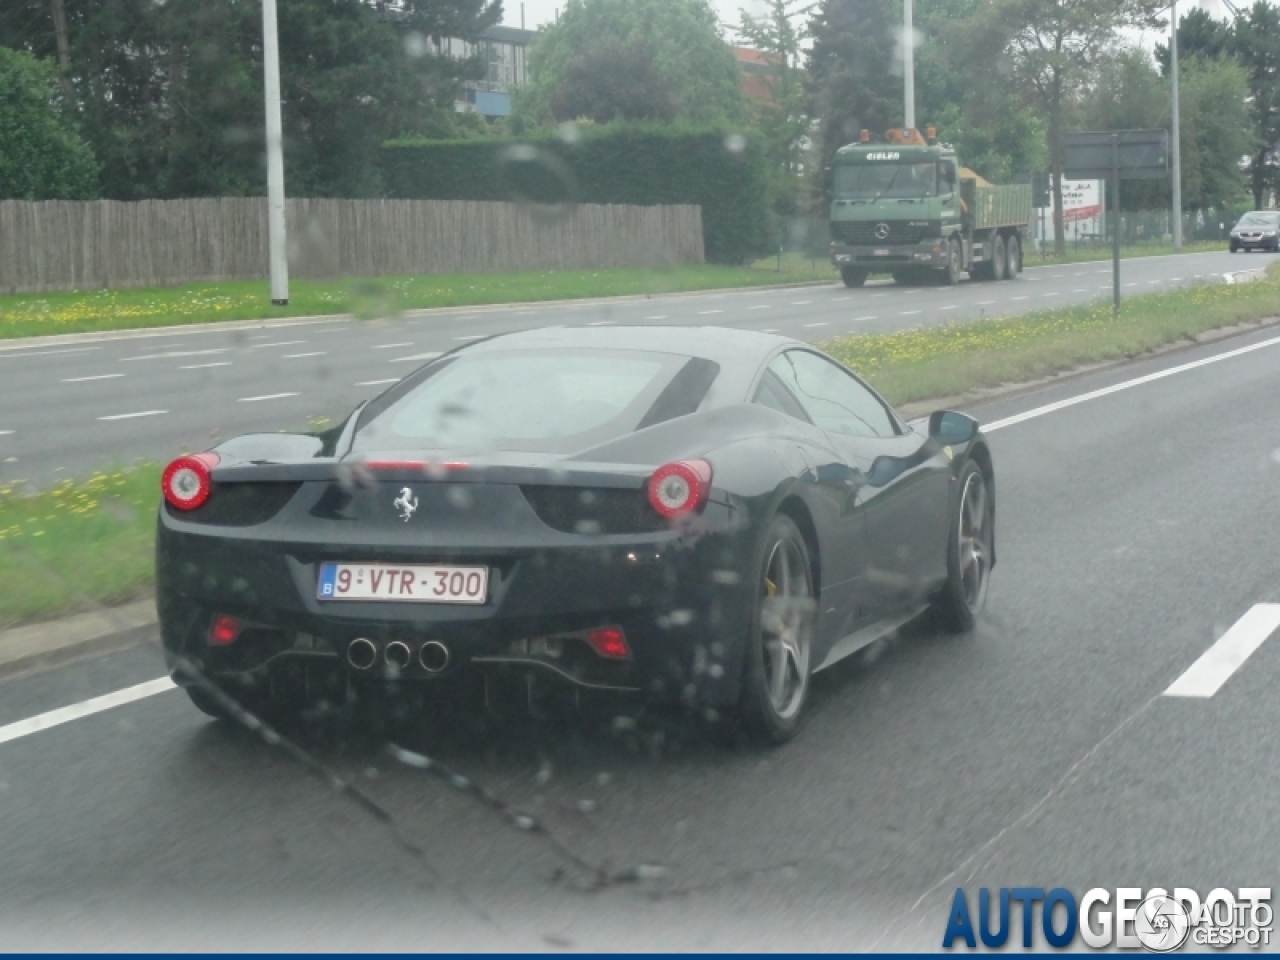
(530, 400)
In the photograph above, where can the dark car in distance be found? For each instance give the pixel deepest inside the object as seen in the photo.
(1257, 230)
(703, 515)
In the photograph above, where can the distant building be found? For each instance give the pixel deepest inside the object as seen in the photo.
(757, 67)
(503, 49)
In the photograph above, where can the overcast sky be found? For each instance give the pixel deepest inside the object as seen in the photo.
(543, 11)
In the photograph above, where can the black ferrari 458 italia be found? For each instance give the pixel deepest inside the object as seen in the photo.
(702, 515)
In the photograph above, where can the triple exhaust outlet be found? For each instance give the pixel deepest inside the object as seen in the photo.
(433, 656)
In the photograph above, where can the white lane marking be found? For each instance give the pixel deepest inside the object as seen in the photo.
(908, 313)
(801, 303)
(860, 319)
(821, 324)
(663, 316)
(1174, 279)
(985, 303)
(176, 353)
(1019, 298)
(1080, 274)
(100, 376)
(46, 353)
(1116, 388)
(1054, 294)
(1216, 665)
(85, 708)
(378, 383)
(758, 306)
(704, 313)
(130, 416)
(429, 355)
(299, 356)
(278, 343)
(768, 331)
(879, 294)
(390, 346)
(267, 396)
(1150, 282)
(476, 336)
(1079, 290)
(5, 433)
(953, 306)
(601, 323)
(206, 366)
(838, 299)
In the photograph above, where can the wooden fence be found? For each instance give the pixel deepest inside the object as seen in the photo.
(60, 245)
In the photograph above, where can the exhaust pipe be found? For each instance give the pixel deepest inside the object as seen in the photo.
(434, 656)
(398, 654)
(361, 653)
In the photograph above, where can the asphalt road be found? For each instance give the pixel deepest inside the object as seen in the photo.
(70, 408)
(1135, 528)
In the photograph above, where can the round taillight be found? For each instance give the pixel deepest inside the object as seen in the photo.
(680, 487)
(187, 481)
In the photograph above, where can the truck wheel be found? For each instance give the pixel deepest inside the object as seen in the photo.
(998, 259)
(852, 276)
(1013, 257)
(951, 274)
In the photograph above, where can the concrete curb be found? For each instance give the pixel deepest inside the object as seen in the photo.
(268, 323)
(39, 646)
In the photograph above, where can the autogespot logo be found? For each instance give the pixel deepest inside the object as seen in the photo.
(1128, 918)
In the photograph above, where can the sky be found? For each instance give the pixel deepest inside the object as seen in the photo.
(543, 11)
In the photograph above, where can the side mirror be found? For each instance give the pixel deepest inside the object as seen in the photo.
(948, 426)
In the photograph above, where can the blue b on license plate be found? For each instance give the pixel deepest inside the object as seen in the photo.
(403, 583)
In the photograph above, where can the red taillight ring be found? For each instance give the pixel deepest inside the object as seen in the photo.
(680, 487)
(188, 481)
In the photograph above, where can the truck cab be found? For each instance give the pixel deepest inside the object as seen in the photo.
(908, 207)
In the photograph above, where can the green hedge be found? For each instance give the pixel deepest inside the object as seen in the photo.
(722, 172)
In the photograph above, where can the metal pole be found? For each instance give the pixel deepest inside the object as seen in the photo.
(1115, 226)
(275, 157)
(1177, 138)
(908, 68)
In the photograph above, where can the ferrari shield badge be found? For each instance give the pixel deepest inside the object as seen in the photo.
(406, 503)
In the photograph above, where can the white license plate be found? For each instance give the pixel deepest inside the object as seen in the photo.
(403, 583)
(882, 253)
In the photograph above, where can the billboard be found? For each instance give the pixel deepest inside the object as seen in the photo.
(1084, 211)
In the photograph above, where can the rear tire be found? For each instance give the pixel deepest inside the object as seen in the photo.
(1013, 257)
(998, 259)
(853, 276)
(969, 553)
(777, 668)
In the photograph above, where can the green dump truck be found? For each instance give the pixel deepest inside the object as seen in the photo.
(907, 207)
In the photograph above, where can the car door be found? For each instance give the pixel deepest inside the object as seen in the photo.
(842, 530)
(902, 493)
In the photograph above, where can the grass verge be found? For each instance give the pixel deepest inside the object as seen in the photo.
(29, 315)
(84, 543)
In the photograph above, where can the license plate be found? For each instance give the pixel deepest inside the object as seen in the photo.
(403, 583)
(882, 253)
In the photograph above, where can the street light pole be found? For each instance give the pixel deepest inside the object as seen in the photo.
(275, 157)
(1176, 135)
(908, 68)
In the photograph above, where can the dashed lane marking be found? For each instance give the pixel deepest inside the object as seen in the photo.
(100, 376)
(378, 383)
(1206, 676)
(278, 343)
(206, 366)
(429, 355)
(299, 356)
(130, 416)
(268, 396)
(390, 346)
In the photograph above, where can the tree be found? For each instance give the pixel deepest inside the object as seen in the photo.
(855, 72)
(1054, 45)
(170, 94)
(784, 118)
(1128, 92)
(42, 156)
(682, 38)
(613, 82)
(1199, 34)
(964, 89)
(1256, 44)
